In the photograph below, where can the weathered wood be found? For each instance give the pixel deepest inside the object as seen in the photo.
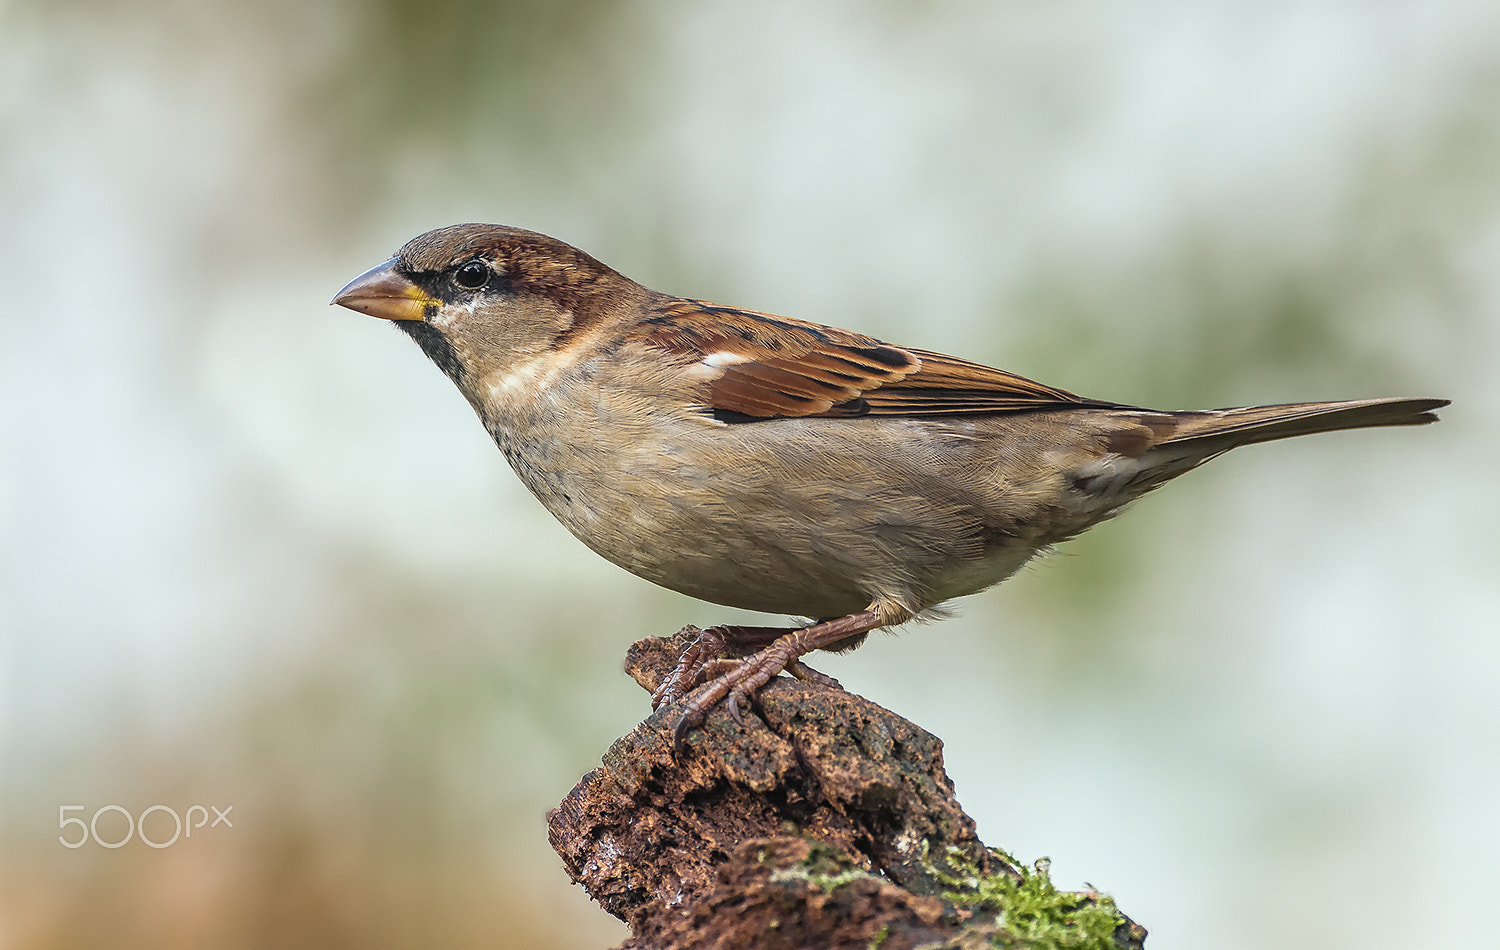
(825, 821)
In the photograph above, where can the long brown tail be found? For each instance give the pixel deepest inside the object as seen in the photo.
(1184, 440)
(1251, 424)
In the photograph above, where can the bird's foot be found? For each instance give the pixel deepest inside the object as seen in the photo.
(708, 647)
(807, 674)
(705, 656)
(738, 681)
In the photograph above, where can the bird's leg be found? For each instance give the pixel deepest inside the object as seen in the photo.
(713, 644)
(740, 680)
(713, 669)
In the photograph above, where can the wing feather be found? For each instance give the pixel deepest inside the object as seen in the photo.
(758, 366)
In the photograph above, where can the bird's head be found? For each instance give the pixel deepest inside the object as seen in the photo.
(483, 299)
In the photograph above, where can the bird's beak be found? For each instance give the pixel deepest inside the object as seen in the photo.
(383, 292)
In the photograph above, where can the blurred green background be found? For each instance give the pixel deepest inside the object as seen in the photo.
(256, 552)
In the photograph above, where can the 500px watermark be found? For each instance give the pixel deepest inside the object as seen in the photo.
(136, 827)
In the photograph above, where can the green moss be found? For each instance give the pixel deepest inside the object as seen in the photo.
(823, 867)
(879, 938)
(1028, 909)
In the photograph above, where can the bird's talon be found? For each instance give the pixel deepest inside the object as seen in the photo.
(699, 662)
(750, 698)
(689, 720)
(807, 674)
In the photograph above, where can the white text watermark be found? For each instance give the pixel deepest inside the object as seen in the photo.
(182, 826)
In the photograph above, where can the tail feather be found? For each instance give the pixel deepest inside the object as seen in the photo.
(1156, 447)
(1251, 424)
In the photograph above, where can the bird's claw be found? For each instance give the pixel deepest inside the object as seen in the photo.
(739, 681)
(707, 649)
(807, 674)
(736, 683)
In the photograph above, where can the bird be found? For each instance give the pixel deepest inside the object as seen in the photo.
(773, 464)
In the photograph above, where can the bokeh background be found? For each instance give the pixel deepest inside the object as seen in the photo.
(256, 552)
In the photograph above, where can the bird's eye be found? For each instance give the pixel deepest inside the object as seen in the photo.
(473, 275)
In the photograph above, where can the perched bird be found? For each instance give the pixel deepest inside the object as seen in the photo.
(762, 462)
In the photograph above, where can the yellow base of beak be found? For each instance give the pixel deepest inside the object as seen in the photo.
(386, 293)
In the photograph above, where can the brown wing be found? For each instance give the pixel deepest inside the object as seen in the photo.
(760, 366)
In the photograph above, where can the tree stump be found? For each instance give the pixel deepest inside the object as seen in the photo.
(824, 822)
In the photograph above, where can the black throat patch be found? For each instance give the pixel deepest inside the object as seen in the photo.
(435, 345)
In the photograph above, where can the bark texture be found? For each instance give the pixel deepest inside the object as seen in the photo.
(823, 822)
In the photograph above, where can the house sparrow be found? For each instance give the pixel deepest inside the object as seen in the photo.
(768, 463)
